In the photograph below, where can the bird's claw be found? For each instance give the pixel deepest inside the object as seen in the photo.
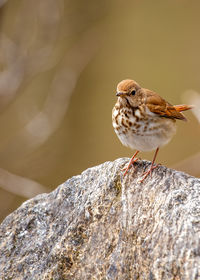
(126, 169)
(149, 172)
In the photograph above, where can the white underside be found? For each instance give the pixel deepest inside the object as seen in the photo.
(151, 140)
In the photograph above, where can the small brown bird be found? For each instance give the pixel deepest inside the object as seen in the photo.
(143, 120)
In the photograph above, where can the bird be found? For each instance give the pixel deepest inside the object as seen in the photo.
(143, 120)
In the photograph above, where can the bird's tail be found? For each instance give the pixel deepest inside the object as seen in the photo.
(183, 107)
(180, 108)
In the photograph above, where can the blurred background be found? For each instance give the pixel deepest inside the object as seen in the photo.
(60, 62)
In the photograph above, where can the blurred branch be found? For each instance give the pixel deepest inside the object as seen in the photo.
(37, 42)
(19, 185)
(43, 124)
(2, 2)
(61, 88)
(28, 53)
(12, 75)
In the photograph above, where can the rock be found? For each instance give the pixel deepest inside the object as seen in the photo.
(99, 225)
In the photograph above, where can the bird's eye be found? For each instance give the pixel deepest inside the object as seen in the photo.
(133, 92)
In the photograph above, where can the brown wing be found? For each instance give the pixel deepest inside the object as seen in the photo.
(158, 105)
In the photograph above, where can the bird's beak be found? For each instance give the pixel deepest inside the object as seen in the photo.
(120, 93)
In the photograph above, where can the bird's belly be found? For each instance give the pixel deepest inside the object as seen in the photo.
(147, 136)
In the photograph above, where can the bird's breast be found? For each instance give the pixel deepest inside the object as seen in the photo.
(138, 130)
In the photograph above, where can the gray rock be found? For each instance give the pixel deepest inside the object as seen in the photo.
(99, 225)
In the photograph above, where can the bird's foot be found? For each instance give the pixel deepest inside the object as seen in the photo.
(126, 169)
(149, 172)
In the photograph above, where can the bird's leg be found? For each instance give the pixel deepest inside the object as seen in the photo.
(132, 160)
(152, 167)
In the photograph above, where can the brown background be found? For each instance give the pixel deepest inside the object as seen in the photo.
(60, 62)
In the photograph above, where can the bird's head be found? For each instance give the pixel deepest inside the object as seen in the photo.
(128, 90)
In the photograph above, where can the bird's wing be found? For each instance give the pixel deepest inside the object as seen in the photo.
(159, 106)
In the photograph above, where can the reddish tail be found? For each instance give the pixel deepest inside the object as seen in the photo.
(183, 107)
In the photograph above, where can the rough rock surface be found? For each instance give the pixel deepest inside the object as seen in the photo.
(99, 225)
